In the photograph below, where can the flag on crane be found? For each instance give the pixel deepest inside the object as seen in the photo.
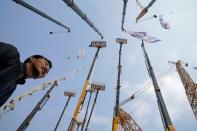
(81, 54)
(164, 24)
(143, 36)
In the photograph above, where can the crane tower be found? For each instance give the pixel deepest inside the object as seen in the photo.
(189, 85)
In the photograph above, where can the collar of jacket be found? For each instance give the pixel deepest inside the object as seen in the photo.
(22, 75)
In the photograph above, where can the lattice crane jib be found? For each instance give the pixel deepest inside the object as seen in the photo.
(189, 85)
(127, 122)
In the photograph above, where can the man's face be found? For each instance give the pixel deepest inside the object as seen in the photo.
(40, 67)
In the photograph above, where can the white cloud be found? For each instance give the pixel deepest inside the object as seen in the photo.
(126, 88)
(98, 119)
(175, 97)
(146, 108)
(131, 59)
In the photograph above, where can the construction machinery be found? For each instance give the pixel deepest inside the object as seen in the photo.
(78, 125)
(121, 117)
(75, 8)
(96, 88)
(87, 108)
(127, 122)
(161, 104)
(98, 45)
(28, 6)
(69, 94)
(116, 119)
(143, 88)
(144, 10)
(38, 107)
(124, 13)
(189, 85)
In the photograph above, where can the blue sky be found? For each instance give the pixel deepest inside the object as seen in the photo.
(29, 32)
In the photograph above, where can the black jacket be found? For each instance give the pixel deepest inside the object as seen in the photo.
(11, 71)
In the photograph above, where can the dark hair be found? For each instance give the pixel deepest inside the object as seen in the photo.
(37, 57)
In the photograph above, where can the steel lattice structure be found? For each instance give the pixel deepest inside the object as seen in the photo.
(127, 122)
(189, 85)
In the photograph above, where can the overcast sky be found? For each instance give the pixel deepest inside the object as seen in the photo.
(29, 32)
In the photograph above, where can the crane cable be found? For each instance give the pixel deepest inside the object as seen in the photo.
(137, 93)
(154, 17)
(144, 88)
(136, 108)
(148, 18)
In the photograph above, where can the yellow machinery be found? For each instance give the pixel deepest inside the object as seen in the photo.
(98, 45)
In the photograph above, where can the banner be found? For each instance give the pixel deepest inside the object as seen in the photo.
(143, 36)
(164, 24)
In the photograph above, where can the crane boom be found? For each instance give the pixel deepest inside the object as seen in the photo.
(75, 8)
(124, 13)
(189, 85)
(28, 6)
(145, 10)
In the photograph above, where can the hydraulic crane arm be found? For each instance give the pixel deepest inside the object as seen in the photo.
(189, 85)
(124, 13)
(145, 10)
(75, 8)
(26, 5)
